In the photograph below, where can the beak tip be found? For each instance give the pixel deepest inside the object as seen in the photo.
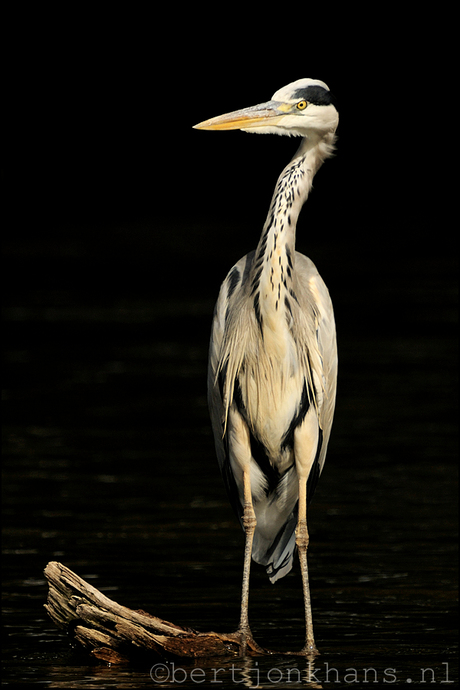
(201, 125)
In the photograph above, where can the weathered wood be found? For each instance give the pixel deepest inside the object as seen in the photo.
(115, 633)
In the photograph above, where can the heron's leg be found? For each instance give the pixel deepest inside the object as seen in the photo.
(302, 545)
(249, 524)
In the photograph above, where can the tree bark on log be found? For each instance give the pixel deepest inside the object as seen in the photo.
(114, 633)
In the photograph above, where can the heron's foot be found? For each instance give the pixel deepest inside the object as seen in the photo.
(246, 642)
(308, 650)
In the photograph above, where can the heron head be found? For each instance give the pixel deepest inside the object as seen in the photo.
(305, 108)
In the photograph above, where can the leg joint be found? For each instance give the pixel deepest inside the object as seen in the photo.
(249, 517)
(301, 535)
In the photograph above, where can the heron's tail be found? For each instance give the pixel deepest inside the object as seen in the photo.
(277, 555)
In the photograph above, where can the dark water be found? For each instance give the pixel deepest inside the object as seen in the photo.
(109, 468)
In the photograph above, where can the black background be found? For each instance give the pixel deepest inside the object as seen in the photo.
(101, 154)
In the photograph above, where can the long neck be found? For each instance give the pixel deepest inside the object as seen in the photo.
(272, 271)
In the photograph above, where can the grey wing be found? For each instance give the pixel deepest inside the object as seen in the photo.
(216, 374)
(325, 365)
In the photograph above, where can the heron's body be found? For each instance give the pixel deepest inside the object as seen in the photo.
(273, 364)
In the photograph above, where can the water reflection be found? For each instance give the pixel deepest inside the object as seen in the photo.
(247, 672)
(280, 672)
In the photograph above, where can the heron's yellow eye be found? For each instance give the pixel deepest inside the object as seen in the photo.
(301, 105)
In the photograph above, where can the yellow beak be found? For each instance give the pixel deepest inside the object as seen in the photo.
(262, 115)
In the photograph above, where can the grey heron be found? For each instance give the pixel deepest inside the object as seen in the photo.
(273, 356)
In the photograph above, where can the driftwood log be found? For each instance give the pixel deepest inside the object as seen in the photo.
(115, 633)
